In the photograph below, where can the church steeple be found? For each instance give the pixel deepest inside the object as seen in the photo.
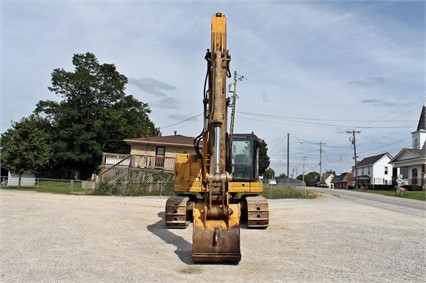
(422, 120)
(419, 136)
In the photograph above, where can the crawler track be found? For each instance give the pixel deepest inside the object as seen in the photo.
(257, 211)
(178, 211)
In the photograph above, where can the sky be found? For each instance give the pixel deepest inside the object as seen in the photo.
(313, 70)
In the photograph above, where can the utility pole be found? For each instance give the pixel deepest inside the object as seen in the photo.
(352, 139)
(320, 163)
(304, 158)
(237, 77)
(288, 156)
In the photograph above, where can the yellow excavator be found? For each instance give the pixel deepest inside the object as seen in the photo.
(218, 187)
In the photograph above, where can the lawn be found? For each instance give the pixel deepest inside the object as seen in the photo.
(66, 187)
(279, 192)
(418, 195)
(56, 187)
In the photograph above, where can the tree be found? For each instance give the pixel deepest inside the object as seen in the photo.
(26, 146)
(311, 178)
(269, 174)
(282, 176)
(95, 115)
(264, 160)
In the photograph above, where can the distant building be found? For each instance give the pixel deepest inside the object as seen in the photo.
(375, 170)
(328, 178)
(410, 163)
(343, 181)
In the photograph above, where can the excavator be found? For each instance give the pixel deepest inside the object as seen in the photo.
(218, 187)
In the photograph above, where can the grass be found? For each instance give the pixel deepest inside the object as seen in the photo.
(54, 187)
(417, 195)
(269, 192)
(279, 192)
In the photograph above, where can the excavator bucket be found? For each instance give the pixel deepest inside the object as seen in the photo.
(216, 240)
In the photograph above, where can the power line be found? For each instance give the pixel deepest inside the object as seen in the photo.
(300, 122)
(183, 121)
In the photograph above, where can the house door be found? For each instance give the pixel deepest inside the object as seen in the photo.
(160, 152)
(414, 177)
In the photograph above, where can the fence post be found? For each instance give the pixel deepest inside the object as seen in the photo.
(71, 185)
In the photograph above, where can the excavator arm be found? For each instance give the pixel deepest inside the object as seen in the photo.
(216, 235)
(218, 186)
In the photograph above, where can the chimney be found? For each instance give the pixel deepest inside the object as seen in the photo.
(175, 133)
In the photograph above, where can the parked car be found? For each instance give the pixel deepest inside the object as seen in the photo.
(321, 184)
(272, 182)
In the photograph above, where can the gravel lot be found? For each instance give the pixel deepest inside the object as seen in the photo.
(60, 238)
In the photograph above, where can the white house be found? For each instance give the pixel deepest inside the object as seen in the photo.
(328, 179)
(375, 170)
(411, 162)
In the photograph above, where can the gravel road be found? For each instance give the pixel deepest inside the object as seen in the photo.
(61, 238)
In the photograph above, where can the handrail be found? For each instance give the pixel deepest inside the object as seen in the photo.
(113, 166)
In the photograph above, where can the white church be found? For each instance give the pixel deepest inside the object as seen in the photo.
(411, 162)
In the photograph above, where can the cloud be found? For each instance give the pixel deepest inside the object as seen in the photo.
(166, 103)
(378, 102)
(152, 86)
(369, 81)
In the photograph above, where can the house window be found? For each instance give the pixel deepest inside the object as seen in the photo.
(386, 170)
(160, 152)
(414, 176)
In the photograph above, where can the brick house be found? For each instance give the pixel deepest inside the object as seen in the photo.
(343, 181)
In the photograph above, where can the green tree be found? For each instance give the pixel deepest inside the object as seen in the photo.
(26, 146)
(269, 174)
(282, 176)
(264, 160)
(311, 178)
(95, 114)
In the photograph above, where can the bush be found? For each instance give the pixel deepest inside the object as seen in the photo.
(412, 187)
(381, 187)
(104, 187)
(149, 184)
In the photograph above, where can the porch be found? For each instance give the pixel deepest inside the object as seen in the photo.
(110, 160)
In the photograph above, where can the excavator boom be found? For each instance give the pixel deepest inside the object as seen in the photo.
(216, 235)
(218, 186)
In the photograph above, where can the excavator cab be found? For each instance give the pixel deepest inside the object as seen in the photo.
(243, 157)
